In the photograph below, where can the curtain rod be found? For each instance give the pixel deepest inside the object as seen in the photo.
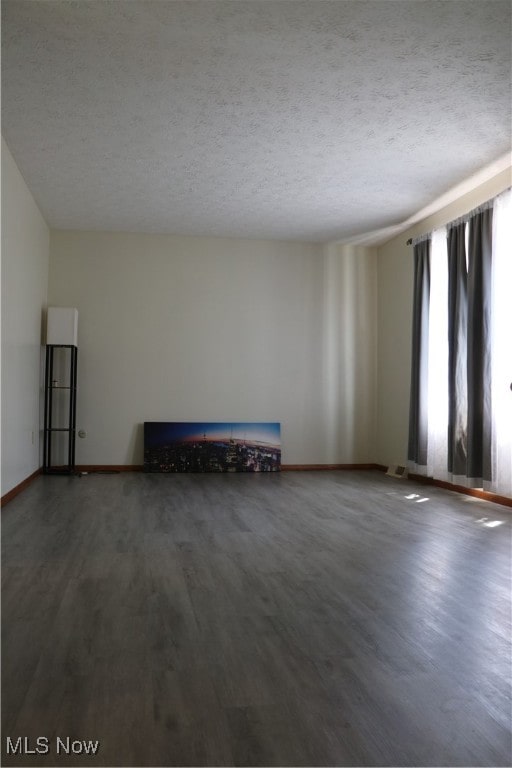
(468, 215)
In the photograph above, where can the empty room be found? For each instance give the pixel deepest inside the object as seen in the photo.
(256, 383)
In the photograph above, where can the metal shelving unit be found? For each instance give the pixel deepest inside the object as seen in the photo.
(59, 416)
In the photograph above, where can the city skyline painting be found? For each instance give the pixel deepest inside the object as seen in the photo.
(212, 446)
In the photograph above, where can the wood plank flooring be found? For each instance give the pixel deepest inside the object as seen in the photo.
(306, 619)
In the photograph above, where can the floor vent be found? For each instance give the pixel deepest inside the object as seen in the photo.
(395, 470)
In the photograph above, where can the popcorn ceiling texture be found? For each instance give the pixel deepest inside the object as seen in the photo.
(290, 120)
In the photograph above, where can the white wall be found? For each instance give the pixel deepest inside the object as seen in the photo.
(315, 337)
(25, 255)
(350, 353)
(186, 328)
(395, 289)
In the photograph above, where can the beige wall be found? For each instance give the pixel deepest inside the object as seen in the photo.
(350, 353)
(395, 284)
(177, 328)
(25, 253)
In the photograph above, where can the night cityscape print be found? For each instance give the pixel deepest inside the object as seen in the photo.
(212, 447)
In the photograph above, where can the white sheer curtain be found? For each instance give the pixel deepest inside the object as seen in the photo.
(501, 354)
(501, 347)
(437, 454)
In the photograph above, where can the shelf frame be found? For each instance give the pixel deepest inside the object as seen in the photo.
(49, 429)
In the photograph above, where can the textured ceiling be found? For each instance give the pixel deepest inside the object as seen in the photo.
(309, 120)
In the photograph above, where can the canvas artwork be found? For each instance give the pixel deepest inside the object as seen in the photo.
(178, 446)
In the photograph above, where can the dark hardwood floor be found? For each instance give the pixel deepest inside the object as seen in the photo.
(315, 618)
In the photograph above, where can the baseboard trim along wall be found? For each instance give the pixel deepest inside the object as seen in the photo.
(315, 467)
(476, 492)
(284, 467)
(19, 488)
(109, 468)
(83, 468)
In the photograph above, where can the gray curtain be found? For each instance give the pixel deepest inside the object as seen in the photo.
(457, 350)
(418, 410)
(469, 355)
(479, 345)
